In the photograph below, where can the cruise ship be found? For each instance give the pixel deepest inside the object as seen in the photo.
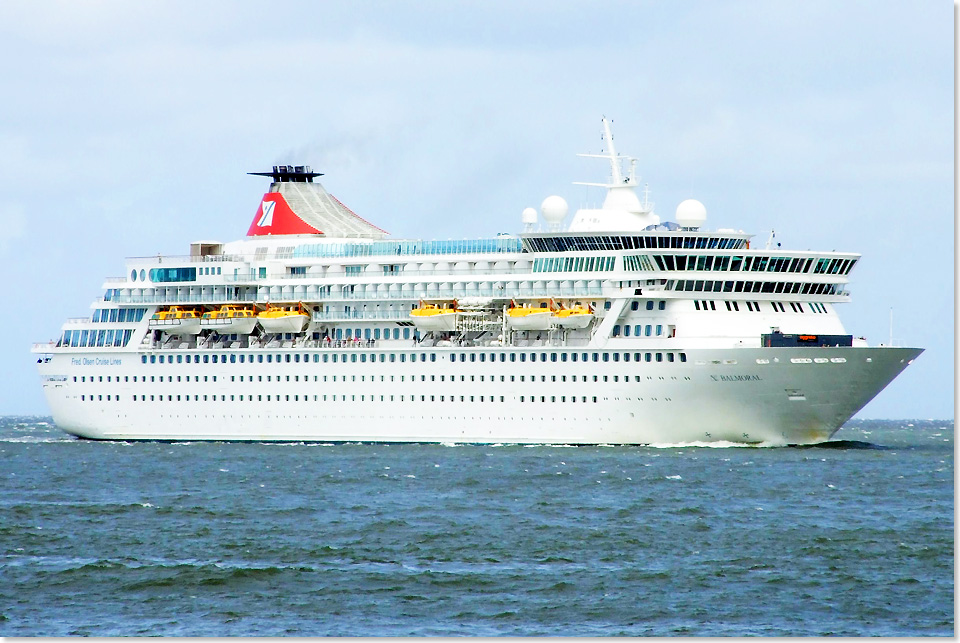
(612, 328)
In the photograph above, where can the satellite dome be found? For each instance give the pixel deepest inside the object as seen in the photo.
(529, 216)
(691, 214)
(554, 209)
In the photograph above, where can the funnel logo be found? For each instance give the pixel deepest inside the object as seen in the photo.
(266, 219)
(274, 216)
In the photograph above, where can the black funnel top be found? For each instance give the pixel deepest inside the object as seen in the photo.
(290, 174)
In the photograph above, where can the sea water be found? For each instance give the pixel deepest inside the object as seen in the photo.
(852, 538)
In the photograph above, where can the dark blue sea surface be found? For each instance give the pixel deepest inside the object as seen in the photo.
(852, 538)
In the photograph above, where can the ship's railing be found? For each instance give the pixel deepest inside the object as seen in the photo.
(353, 343)
(354, 250)
(344, 315)
(252, 277)
(190, 258)
(454, 293)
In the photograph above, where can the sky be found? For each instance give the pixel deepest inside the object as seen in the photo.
(127, 129)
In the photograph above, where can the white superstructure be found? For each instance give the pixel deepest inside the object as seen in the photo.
(671, 333)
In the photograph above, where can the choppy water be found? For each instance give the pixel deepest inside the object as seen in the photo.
(855, 538)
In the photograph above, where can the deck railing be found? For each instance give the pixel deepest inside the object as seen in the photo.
(403, 296)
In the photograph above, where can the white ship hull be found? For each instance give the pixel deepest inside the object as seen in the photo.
(721, 395)
(671, 354)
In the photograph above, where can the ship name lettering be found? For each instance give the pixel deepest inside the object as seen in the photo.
(87, 361)
(736, 378)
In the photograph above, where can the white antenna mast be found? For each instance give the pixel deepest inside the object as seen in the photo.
(616, 175)
(614, 160)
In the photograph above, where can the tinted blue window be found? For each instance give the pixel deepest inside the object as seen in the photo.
(173, 274)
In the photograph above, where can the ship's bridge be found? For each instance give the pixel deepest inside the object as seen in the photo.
(579, 242)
